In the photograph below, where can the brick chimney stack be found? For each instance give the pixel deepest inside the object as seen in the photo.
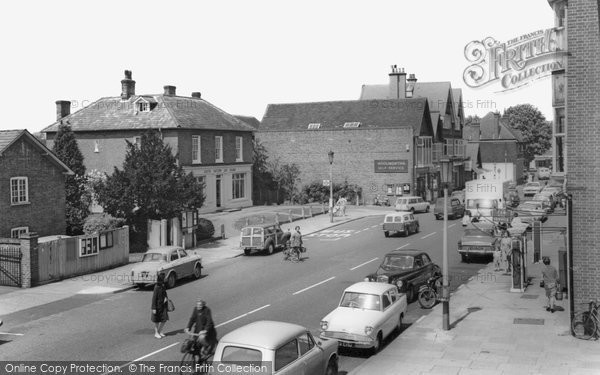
(127, 86)
(63, 109)
(397, 84)
(196, 95)
(169, 90)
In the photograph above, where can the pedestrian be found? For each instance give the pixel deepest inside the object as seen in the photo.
(506, 249)
(497, 258)
(296, 240)
(342, 205)
(203, 324)
(160, 313)
(466, 218)
(550, 277)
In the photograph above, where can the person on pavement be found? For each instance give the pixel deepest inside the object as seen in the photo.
(160, 314)
(203, 324)
(296, 241)
(341, 203)
(550, 277)
(506, 249)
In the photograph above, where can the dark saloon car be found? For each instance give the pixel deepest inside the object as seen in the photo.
(407, 269)
(476, 243)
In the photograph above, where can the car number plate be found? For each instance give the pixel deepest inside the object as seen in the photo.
(346, 344)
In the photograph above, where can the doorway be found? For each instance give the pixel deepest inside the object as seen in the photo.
(218, 186)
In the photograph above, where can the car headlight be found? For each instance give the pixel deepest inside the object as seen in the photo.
(368, 330)
(367, 278)
(324, 325)
(399, 283)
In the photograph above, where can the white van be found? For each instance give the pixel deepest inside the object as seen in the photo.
(412, 204)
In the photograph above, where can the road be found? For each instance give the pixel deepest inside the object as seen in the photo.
(238, 291)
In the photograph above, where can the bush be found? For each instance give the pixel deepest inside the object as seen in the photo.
(317, 193)
(205, 230)
(101, 222)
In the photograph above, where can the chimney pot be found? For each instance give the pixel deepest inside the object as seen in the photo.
(63, 108)
(397, 85)
(169, 90)
(127, 86)
(196, 95)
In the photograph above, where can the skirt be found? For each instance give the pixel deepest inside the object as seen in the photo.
(161, 316)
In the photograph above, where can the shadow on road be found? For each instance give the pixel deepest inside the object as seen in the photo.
(366, 353)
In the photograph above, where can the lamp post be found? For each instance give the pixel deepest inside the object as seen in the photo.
(330, 155)
(446, 165)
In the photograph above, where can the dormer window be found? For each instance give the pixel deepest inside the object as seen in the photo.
(143, 106)
(351, 124)
(313, 126)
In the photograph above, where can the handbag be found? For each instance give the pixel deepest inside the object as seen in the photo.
(170, 306)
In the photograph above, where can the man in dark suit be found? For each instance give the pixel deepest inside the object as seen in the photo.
(203, 324)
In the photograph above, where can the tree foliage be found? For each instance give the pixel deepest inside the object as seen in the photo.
(537, 132)
(316, 192)
(77, 199)
(262, 176)
(151, 185)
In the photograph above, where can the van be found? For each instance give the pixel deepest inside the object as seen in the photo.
(412, 204)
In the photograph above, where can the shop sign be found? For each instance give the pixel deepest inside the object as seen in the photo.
(391, 166)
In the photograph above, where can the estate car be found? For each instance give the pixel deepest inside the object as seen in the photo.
(400, 222)
(262, 237)
(412, 204)
(172, 261)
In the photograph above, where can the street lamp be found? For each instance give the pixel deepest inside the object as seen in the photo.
(330, 155)
(446, 165)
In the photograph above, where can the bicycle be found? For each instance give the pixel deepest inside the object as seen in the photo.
(293, 254)
(586, 324)
(194, 357)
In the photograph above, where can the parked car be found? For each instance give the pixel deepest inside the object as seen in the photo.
(530, 211)
(406, 269)
(262, 237)
(412, 204)
(172, 261)
(454, 208)
(289, 348)
(476, 242)
(513, 199)
(547, 200)
(460, 194)
(532, 188)
(400, 222)
(367, 313)
(543, 173)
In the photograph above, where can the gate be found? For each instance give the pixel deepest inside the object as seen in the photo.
(10, 265)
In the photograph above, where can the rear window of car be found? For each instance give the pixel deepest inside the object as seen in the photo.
(240, 354)
(153, 257)
(402, 201)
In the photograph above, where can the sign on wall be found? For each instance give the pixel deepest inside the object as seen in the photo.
(88, 245)
(391, 166)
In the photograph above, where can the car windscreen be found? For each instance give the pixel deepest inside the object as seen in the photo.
(398, 262)
(361, 301)
(153, 257)
(533, 184)
(240, 354)
(475, 233)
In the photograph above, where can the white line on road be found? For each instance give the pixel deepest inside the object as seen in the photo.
(451, 225)
(403, 246)
(241, 316)
(366, 228)
(362, 264)
(374, 226)
(312, 286)
(429, 235)
(421, 318)
(330, 239)
(11, 334)
(143, 357)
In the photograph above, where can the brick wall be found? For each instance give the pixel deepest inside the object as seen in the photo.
(45, 212)
(583, 139)
(355, 152)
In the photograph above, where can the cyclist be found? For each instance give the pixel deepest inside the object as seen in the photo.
(204, 326)
(296, 241)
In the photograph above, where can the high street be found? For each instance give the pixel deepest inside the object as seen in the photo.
(238, 291)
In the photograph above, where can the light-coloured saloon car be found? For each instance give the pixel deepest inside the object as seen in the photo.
(368, 312)
(172, 261)
(288, 348)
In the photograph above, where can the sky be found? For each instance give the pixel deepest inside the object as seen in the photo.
(243, 55)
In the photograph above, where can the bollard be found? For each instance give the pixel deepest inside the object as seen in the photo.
(277, 218)
(303, 217)
(262, 219)
(247, 221)
(222, 231)
(310, 213)
(290, 215)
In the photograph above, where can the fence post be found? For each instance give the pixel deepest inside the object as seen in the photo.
(277, 218)
(262, 219)
(247, 221)
(222, 231)
(290, 215)
(29, 260)
(304, 217)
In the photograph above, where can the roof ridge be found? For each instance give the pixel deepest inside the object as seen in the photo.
(228, 114)
(349, 101)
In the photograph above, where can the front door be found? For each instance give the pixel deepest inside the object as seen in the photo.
(218, 186)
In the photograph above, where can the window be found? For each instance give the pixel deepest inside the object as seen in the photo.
(106, 240)
(239, 154)
(173, 256)
(306, 343)
(239, 354)
(424, 151)
(386, 301)
(218, 149)
(237, 190)
(285, 355)
(18, 232)
(143, 106)
(88, 246)
(196, 148)
(313, 126)
(351, 124)
(182, 253)
(19, 190)
(137, 141)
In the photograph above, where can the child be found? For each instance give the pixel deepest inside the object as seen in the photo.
(497, 259)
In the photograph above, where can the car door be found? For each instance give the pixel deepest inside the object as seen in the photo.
(420, 271)
(388, 321)
(312, 357)
(287, 359)
(174, 264)
(185, 264)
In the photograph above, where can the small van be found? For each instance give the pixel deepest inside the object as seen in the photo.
(412, 204)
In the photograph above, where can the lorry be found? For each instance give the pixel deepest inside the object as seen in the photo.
(485, 197)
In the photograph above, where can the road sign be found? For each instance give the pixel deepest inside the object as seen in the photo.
(325, 182)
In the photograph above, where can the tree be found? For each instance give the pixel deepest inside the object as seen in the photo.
(289, 174)
(537, 132)
(262, 177)
(151, 185)
(77, 202)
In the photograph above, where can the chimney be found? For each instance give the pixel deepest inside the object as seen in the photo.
(63, 108)
(169, 90)
(410, 85)
(127, 86)
(196, 95)
(397, 86)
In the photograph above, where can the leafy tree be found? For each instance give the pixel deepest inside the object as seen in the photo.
(77, 200)
(537, 132)
(317, 192)
(262, 176)
(151, 185)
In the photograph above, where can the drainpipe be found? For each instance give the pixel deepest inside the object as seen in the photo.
(570, 257)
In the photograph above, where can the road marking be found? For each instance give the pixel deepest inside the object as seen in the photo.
(421, 318)
(241, 316)
(403, 246)
(312, 286)
(366, 228)
(374, 226)
(143, 357)
(429, 235)
(362, 264)
(451, 225)
(12, 334)
(330, 239)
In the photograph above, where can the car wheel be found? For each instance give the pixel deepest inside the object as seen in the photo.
(417, 229)
(412, 210)
(377, 345)
(270, 248)
(427, 209)
(171, 280)
(386, 233)
(332, 368)
(197, 271)
(140, 286)
(438, 217)
(406, 231)
(399, 324)
(464, 258)
(247, 251)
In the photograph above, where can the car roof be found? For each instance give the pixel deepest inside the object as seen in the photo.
(163, 249)
(369, 287)
(398, 213)
(411, 252)
(266, 334)
(265, 225)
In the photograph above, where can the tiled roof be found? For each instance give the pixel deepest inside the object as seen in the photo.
(457, 96)
(332, 115)
(498, 152)
(472, 151)
(494, 127)
(166, 112)
(374, 92)
(8, 137)
(471, 133)
(252, 121)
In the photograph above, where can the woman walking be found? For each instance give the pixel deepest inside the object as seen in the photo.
(160, 314)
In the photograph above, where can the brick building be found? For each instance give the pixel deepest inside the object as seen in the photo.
(212, 144)
(32, 187)
(578, 110)
(384, 146)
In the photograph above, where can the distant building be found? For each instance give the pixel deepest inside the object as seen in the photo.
(212, 144)
(32, 187)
